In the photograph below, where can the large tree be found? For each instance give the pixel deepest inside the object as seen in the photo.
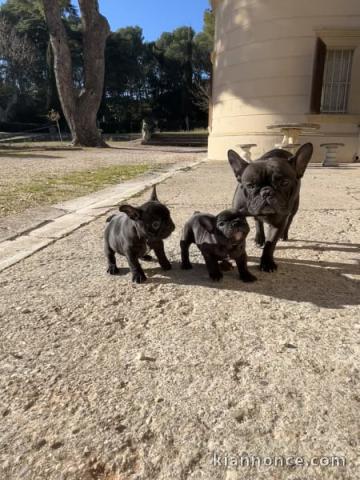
(80, 103)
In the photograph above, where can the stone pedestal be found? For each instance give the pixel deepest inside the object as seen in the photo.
(246, 150)
(331, 154)
(290, 147)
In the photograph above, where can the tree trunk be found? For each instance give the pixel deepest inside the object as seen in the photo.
(52, 100)
(80, 108)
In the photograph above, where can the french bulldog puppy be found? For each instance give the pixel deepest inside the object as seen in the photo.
(135, 231)
(218, 238)
(269, 190)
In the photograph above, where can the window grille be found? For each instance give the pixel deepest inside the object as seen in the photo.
(336, 82)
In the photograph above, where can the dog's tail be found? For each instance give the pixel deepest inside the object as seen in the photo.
(110, 218)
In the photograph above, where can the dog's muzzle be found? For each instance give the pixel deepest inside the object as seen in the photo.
(270, 203)
(239, 236)
(166, 230)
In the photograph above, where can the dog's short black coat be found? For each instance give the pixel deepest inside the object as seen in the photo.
(269, 190)
(218, 238)
(134, 232)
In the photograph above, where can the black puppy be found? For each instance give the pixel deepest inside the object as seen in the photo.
(134, 232)
(269, 190)
(218, 238)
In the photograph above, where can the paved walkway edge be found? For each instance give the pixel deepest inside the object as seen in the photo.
(79, 212)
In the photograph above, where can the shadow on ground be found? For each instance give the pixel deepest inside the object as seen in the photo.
(322, 283)
(26, 148)
(322, 246)
(147, 148)
(339, 167)
(24, 155)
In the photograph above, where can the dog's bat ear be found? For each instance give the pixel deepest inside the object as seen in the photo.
(237, 163)
(302, 158)
(154, 197)
(132, 212)
(208, 222)
(108, 220)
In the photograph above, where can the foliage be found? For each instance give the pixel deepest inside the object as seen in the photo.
(25, 19)
(166, 80)
(204, 44)
(18, 57)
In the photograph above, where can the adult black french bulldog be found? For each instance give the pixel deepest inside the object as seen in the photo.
(218, 238)
(134, 232)
(269, 190)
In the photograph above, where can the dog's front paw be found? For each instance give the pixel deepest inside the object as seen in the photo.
(226, 266)
(139, 277)
(113, 270)
(186, 266)
(166, 266)
(247, 277)
(216, 276)
(268, 265)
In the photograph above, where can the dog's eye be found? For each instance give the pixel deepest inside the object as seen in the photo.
(250, 186)
(156, 225)
(284, 182)
(221, 224)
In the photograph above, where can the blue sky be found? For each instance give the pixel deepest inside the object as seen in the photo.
(154, 16)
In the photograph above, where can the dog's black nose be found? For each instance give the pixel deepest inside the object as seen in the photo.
(267, 192)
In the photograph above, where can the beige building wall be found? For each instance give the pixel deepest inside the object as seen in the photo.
(263, 64)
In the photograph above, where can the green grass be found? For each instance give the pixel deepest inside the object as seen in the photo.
(53, 189)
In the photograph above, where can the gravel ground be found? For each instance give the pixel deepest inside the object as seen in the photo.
(102, 379)
(20, 166)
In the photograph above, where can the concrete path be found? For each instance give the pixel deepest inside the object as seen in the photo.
(103, 379)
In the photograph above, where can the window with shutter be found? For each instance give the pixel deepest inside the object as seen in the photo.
(318, 75)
